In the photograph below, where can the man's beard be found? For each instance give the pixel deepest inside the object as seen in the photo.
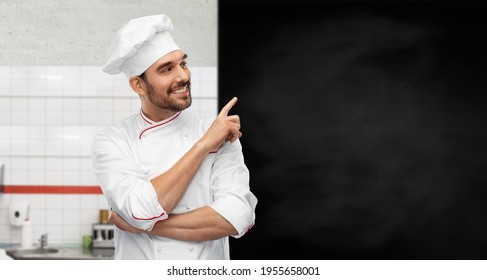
(165, 100)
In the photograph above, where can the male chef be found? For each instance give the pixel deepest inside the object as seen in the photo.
(177, 184)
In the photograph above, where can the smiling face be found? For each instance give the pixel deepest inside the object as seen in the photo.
(164, 88)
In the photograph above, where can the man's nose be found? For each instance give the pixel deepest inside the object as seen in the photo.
(182, 74)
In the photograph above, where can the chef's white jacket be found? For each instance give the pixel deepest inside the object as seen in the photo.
(127, 156)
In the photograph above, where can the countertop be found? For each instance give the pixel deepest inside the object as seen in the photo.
(67, 253)
(3, 255)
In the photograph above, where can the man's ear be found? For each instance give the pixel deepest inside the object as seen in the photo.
(137, 85)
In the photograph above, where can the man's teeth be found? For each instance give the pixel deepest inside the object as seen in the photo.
(181, 90)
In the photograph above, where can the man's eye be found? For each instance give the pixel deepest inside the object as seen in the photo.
(184, 64)
(167, 69)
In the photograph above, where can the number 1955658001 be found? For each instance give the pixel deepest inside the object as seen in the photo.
(289, 270)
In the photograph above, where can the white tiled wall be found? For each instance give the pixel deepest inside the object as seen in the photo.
(48, 117)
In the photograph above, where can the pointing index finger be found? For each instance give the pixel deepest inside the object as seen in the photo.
(226, 108)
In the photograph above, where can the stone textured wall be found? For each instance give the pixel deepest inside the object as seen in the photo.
(70, 32)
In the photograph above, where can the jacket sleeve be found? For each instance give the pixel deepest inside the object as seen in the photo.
(126, 187)
(230, 188)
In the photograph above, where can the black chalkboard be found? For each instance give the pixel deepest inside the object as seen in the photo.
(364, 127)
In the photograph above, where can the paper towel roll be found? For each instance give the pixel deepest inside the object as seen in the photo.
(27, 234)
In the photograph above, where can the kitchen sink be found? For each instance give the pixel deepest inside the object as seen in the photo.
(60, 253)
(22, 253)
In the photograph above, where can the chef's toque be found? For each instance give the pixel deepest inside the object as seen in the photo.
(140, 43)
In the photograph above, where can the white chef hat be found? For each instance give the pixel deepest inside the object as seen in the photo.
(140, 43)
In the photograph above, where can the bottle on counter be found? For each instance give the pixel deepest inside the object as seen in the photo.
(26, 234)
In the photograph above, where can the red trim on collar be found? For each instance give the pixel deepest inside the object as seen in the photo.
(145, 118)
(159, 124)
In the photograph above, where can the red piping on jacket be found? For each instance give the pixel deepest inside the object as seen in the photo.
(248, 228)
(143, 117)
(140, 135)
(146, 219)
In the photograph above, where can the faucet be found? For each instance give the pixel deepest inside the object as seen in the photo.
(43, 240)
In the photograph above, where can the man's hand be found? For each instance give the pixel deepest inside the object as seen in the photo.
(224, 128)
(122, 224)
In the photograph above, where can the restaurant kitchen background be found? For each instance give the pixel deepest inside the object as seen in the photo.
(54, 98)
